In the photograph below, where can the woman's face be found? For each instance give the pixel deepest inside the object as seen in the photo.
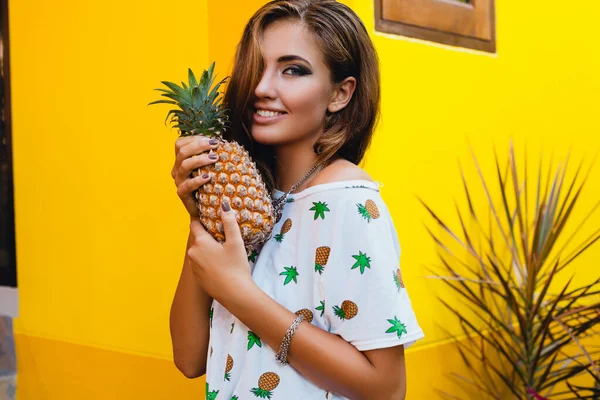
(295, 90)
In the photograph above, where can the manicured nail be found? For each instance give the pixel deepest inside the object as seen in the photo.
(213, 156)
(225, 206)
(213, 142)
(205, 176)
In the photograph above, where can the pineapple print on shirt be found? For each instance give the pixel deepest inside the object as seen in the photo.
(325, 242)
(348, 310)
(266, 384)
(368, 210)
(228, 368)
(397, 327)
(319, 208)
(285, 228)
(211, 395)
(398, 279)
(290, 274)
(362, 262)
(306, 314)
(321, 258)
(321, 307)
(253, 339)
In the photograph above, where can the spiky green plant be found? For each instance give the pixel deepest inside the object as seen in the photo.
(524, 339)
(200, 109)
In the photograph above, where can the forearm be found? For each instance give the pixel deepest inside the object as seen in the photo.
(325, 359)
(189, 323)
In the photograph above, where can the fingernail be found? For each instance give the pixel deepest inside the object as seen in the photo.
(205, 176)
(213, 156)
(225, 206)
(213, 141)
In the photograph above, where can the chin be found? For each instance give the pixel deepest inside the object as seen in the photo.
(268, 137)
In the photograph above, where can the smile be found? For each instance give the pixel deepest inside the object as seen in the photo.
(267, 117)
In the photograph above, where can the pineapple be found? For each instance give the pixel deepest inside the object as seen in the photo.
(321, 258)
(234, 177)
(398, 279)
(228, 367)
(349, 310)
(306, 313)
(266, 384)
(368, 210)
(285, 228)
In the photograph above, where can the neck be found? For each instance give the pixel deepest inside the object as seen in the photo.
(292, 164)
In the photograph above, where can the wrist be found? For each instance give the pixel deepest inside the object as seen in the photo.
(243, 291)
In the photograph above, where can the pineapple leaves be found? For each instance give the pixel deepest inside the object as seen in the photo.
(201, 111)
(192, 78)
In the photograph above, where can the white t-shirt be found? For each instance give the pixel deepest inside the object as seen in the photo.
(334, 257)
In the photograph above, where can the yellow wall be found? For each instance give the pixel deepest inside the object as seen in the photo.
(100, 232)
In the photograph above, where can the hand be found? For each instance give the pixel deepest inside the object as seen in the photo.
(190, 153)
(221, 269)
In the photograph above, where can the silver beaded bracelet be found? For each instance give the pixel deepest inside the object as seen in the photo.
(281, 355)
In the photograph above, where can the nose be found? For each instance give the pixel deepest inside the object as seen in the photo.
(265, 87)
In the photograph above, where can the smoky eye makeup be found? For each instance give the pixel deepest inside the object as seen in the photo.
(296, 70)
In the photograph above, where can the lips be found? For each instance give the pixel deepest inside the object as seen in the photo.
(267, 119)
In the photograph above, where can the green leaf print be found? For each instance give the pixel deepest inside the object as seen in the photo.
(234, 397)
(232, 326)
(319, 268)
(210, 314)
(321, 307)
(362, 262)
(211, 395)
(253, 339)
(319, 208)
(290, 273)
(252, 256)
(398, 327)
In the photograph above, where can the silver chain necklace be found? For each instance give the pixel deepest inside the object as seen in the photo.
(280, 202)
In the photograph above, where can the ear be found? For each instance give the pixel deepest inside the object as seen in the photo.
(342, 94)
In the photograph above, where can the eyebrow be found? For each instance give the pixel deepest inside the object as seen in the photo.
(291, 57)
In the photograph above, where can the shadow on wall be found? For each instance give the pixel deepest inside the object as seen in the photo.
(8, 363)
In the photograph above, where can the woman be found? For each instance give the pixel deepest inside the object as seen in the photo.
(325, 294)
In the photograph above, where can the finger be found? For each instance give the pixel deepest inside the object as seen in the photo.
(182, 141)
(199, 145)
(195, 162)
(192, 184)
(230, 225)
(197, 230)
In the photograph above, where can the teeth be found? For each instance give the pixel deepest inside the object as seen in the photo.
(264, 113)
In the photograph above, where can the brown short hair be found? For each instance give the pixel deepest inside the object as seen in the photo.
(347, 51)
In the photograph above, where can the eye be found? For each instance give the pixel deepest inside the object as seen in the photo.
(297, 71)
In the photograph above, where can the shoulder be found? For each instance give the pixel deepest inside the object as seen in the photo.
(340, 170)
